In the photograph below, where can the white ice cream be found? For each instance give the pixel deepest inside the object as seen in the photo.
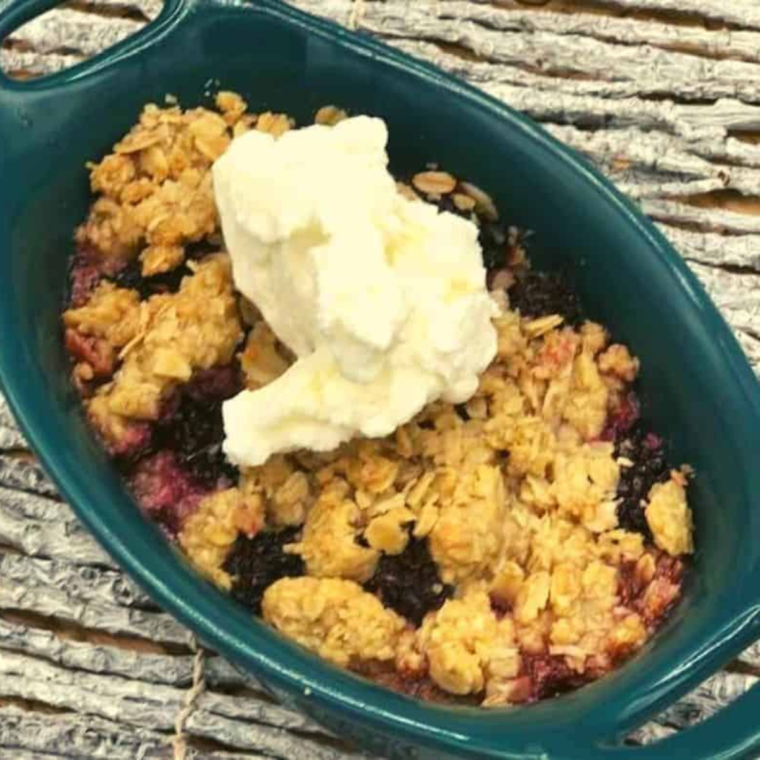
(382, 299)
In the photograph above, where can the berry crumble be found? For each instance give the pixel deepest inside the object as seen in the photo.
(500, 551)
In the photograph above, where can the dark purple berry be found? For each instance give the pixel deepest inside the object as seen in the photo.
(131, 277)
(550, 676)
(650, 466)
(84, 276)
(493, 242)
(409, 582)
(165, 489)
(201, 249)
(622, 420)
(193, 428)
(462, 413)
(256, 563)
(538, 294)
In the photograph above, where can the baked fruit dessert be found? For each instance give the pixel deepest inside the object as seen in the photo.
(498, 551)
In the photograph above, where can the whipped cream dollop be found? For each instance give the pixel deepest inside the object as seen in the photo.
(382, 299)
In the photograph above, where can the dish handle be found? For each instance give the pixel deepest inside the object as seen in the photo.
(731, 734)
(16, 13)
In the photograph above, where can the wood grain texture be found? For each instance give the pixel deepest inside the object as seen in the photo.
(663, 95)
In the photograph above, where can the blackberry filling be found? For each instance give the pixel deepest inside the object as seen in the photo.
(650, 466)
(409, 582)
(84, 276)
(493, 240)
(538, 294)
(623, 419)
(131, 277)
(550, 676)
(201, 249)
(462, 413)
(193, 427)
(256, 563)
(165, 489)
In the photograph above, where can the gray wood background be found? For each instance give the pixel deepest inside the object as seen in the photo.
(664, 95)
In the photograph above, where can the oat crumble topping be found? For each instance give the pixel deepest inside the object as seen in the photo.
(505, 512)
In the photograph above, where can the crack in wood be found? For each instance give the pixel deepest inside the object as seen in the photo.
(555, 51)
(142, 11)
(719, 44)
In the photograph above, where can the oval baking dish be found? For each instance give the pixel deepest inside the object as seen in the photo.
(701, 392)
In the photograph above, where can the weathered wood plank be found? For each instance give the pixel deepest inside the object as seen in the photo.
(716, 250)
(255, 710)
(676, 73)
(170, 670)
(65, 31)
(742, 13)
(661, 155)
(49, 601)
(146, 9)
(10, 435)
(486, 73)
(726, 225)
(276, 743)
(659, 150)
(253, 723)
(739, 292)
(78, 735)
(33, 63)
(652, 103)
(592, 102)
(751, 657)
(42, 527)
(24, 474)
(81, 582)
(517, 17)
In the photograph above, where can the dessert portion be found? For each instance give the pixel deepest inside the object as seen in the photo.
(357, 409)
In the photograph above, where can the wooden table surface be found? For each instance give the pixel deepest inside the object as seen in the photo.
(664, 95)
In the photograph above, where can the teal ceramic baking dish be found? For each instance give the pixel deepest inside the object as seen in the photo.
(700, 390)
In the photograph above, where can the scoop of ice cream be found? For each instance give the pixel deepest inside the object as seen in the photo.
(382, 299)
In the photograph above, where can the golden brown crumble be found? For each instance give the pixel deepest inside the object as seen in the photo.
(330, 116)
(263, 360)
(276, 124)
(328, 545)
(463, 547)
(335, 618)
(209, 533)
(434, 183)
(669, 516)
(467, 646)
(162, 341)
(288, 492)
(155, 192)
(112, 314)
